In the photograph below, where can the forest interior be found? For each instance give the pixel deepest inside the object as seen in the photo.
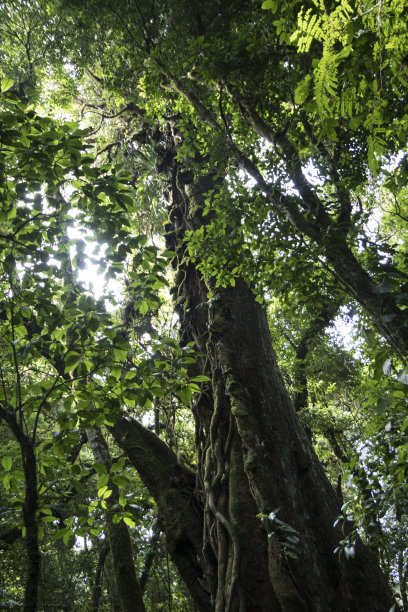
(203, 314)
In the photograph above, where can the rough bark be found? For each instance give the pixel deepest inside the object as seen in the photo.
(252, 454)
(30, 507)
(119, 540)
(97, 587)
(284, 472)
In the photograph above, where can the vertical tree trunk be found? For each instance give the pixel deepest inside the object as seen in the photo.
(30, 507)
(97, 588)
(284, 473)
(126, 580)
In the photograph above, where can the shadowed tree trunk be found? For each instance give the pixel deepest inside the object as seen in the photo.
(97, 588)
(30, 507)
(119, 541)
(150, 557)
(316, 326)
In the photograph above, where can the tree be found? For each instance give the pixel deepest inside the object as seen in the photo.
(245, 525)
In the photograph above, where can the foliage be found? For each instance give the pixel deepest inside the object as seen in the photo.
(66, 363)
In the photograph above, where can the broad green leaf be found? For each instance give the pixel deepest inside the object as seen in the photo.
(71, 361)
(143, 307)
(302, 91)
(120, 480)
(116, 373)
(270, 5)
(102, 490)
(6, 84)
(7, 463)
(120, 354)
(185, 394)
(100, 468)
(118, 465)
(49, 519)
(102, 481)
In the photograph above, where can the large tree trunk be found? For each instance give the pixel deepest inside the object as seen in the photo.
(253, 458)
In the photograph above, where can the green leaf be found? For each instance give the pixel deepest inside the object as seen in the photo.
(71, 361)
(271, 5)
(116, 373)
(381, 405)
(48, 519)
(355, 122)
(118, 465)
(169, 254)
(95, 531)
(7, 463)
(185, 394)
(302, 91)
(100, 468)
(129, 522)
(345, 52)
(143, 307)
(68, 538)
(102, 490)
(78, 486)
(6, 84)
(102, 481)
(120, 354)
(120, 480)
